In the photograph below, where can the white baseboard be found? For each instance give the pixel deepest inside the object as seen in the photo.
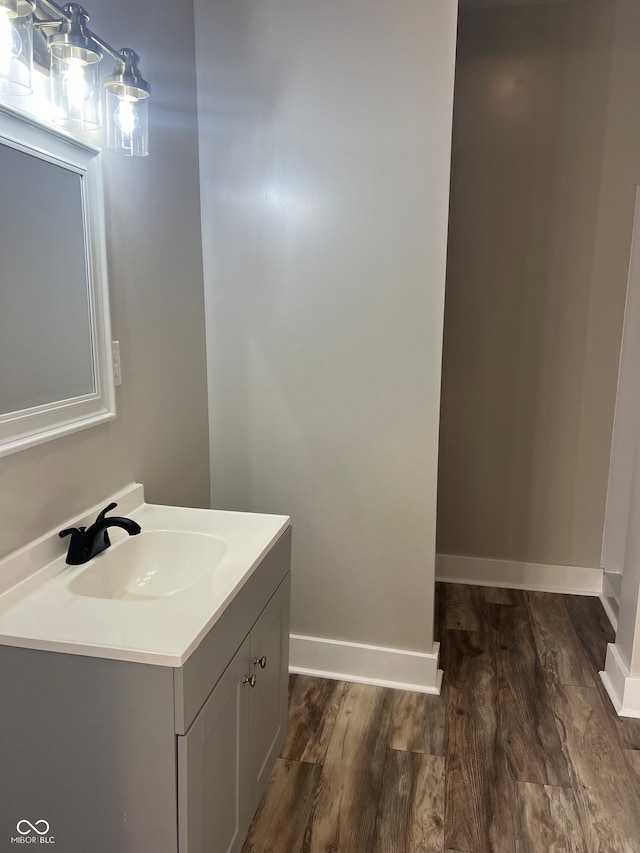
(542, 577)
(383, 667)
(623, 688)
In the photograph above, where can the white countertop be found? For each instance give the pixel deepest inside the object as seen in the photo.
(39, 611)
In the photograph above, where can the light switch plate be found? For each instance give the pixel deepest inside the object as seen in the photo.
(115, 357)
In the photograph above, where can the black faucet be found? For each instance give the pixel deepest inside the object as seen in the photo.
(86, 542)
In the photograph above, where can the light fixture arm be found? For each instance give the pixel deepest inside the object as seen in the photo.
(107, 47)
(46, 23)
(48, 6)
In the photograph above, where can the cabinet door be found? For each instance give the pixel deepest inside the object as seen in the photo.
(268, 709)
(213, 811)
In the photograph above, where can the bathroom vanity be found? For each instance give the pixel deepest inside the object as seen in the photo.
(141, 722)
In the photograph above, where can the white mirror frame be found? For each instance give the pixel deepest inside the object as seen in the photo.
(22, 429)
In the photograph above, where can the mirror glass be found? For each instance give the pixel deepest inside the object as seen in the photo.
(45, 341)
(54, 329)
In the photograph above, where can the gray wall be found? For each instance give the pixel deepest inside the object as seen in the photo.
(546, 158)
(160, 437)
(325, 146)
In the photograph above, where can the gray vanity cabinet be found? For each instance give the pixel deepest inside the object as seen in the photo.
(226, 756)
(124, 757)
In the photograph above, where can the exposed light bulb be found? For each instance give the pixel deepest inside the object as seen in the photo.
(125, 117)
(75, 84)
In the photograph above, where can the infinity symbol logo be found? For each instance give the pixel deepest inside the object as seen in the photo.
(33, 827)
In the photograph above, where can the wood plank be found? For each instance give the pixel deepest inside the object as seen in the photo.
(561, 653)
(347, 799)
(313, 708)
(498, 595)
(417, 723)
(477, 808)
(412, 791)
(527, 726)
(282, 819)
(546, 819)
(465, 610)
(608, 805)
(632, 758)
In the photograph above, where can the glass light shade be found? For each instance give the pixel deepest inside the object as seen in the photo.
(76, 94)
(16, 51)
(127, 124)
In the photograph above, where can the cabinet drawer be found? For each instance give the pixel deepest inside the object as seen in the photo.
(194, 681)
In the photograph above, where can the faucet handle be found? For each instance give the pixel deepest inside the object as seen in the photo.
(101, 517)
(71, 531)
(77, 548)
(103, 512)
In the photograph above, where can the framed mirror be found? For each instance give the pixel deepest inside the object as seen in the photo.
(55, 339)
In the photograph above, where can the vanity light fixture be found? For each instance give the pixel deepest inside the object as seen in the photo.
(74, 59)
(127, 103)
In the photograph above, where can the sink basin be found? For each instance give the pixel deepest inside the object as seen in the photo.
(153, 564)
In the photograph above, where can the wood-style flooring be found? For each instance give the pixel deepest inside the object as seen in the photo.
(522, 752)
